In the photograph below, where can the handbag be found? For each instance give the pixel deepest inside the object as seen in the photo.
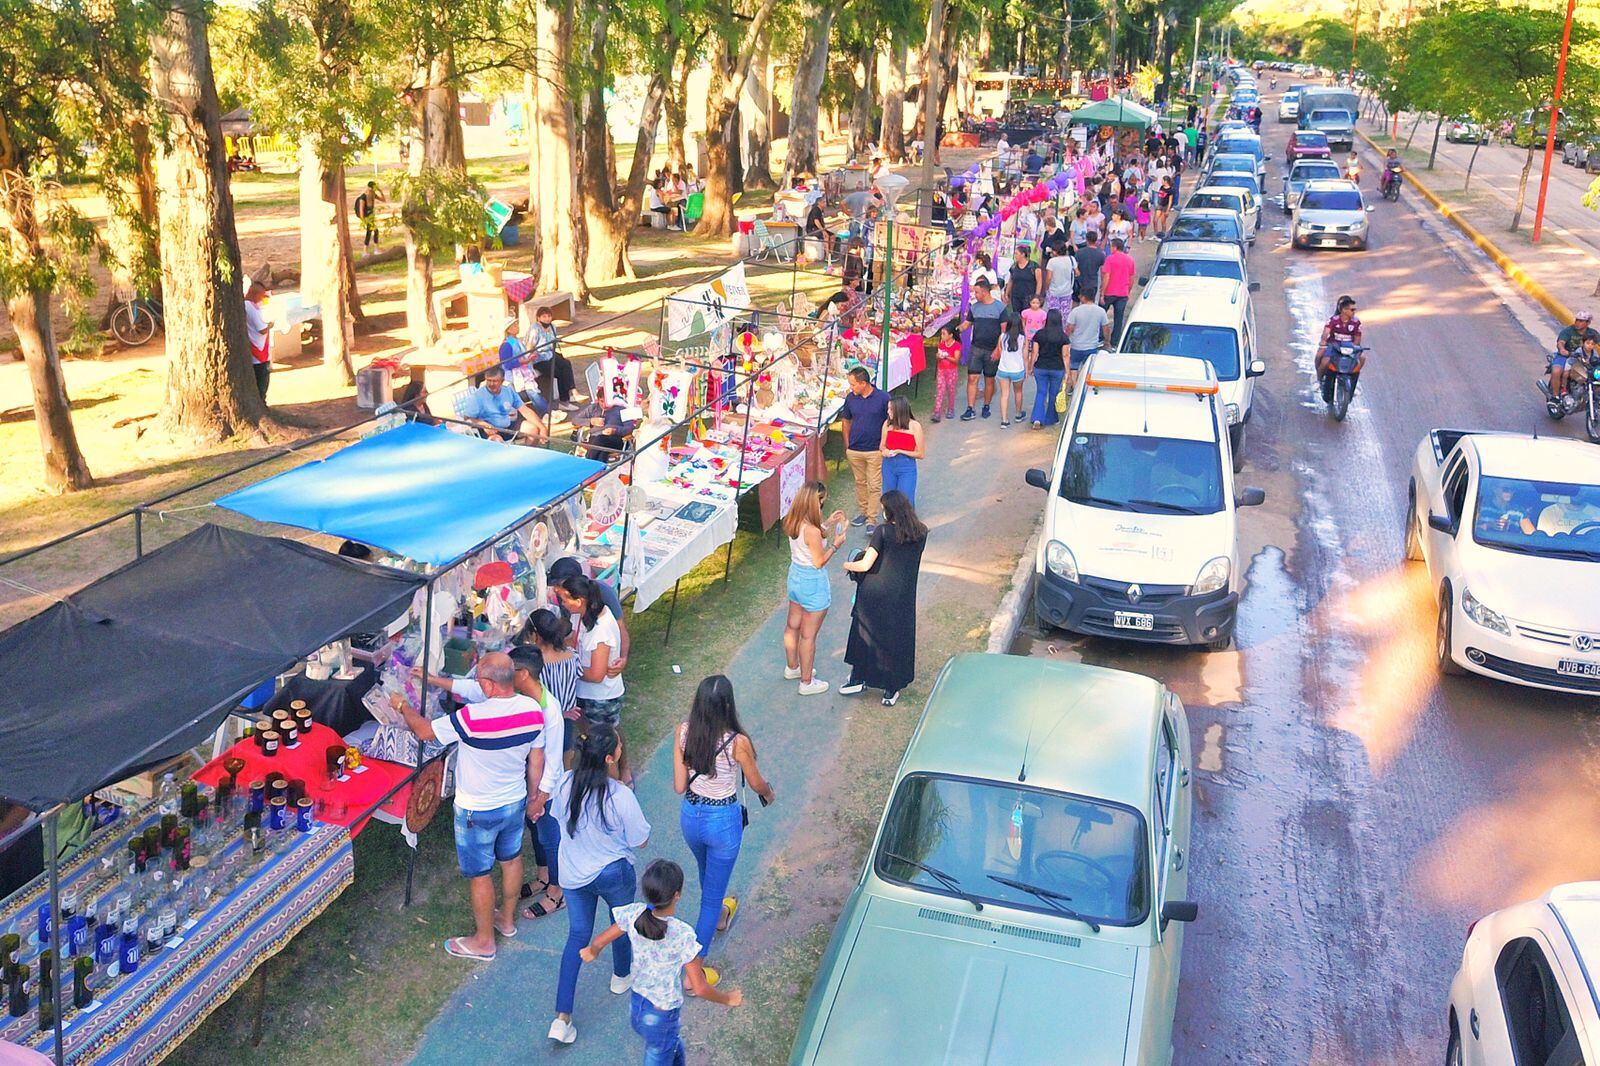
(744, 812)
(1061, 398)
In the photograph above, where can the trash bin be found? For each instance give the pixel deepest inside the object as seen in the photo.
(374, 387)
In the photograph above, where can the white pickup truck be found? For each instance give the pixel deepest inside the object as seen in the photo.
(1509, 528)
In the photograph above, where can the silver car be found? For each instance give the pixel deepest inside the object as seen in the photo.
(1330, 214)
(1227, 198)
(1289, 106)
(1231, 163)
(1303, 171)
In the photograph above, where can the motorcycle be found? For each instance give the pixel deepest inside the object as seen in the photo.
(1346, 359)
(1583, 394)
(1352, 171)
(1391, 182)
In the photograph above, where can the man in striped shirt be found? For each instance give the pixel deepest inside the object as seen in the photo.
(504, 772)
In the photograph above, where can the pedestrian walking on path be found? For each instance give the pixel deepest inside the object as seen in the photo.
(665, 953)
(711, 759)
(601, 826)
(548, 632)
(1049, 369)
(1011, 358)
(902, 447)
(811, 544)
(599, 641)
(862, 420)
(882, 649)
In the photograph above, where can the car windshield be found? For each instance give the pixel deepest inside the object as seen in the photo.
(1235, 181)
(1148, 475)
(1325, 172)
(1311, 139)
(1234, 164)
(1331, 200)
(1552, 518)
(1217, 345)
(1198, 228)
(1332, 118)
(1090, 852)
(1200, 268)
(1215, 199)
(1249, 148)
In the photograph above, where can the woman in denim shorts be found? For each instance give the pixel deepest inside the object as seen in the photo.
(809, 595)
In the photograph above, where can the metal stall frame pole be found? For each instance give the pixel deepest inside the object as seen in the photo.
(888, 303)
(422, 709)
(744, 445)
(53, 842)
(622, 554)
(138, 532)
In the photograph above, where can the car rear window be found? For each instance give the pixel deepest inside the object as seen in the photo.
(1190, 227)
(1331, 200)
(1214, 199)
(1199, 268)
(1311, 139)
(1086, 855)
(1326, 171)
(1330, 116)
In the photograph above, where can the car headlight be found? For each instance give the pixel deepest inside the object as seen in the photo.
(1213, 576)
(1232, 411)
(1475, 609)
(1059, 560)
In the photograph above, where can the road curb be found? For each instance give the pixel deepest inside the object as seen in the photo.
(1507, 265)
(1014, 604)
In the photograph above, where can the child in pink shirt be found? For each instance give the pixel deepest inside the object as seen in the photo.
(1032, 319)
(1142, 216)
(948, 366)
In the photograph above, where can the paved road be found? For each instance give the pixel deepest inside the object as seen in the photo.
(1355, 811)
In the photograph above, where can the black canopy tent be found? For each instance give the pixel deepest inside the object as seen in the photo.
(145, 662)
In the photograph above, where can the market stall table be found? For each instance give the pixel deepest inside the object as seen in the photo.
(346, 803)
(336, 702)
(142, 1019)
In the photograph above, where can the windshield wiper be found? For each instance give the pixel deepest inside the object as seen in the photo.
(1050, 896)
(1097, 501)
(1176, 508)
(939, 875)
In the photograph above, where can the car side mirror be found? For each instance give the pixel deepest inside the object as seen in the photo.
(1039, 479)
(1249, 497)
(1179, 910)
(1144, 279)
(1255, 286)
(1441, 524)
(1257, 368)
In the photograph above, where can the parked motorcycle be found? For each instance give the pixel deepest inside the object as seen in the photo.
(1583, 394)
(1346, 359)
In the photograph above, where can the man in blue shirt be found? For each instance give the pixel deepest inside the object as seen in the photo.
(865, 411)
(498, 411)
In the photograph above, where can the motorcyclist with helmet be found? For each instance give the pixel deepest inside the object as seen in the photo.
(1342, 328)
(1570, 351)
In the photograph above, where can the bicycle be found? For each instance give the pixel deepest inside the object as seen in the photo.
(135, 321)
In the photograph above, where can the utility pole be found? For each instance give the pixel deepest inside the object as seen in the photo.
(1550, 135)
(1194, 60)
(1355, 25)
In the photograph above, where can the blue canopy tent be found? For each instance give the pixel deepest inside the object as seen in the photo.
(418, 491)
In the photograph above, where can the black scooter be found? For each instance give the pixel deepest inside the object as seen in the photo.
(1583, 394)
(1391, 182)
(1346, 358)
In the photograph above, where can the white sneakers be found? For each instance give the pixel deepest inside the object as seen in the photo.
(791, 673)
(850, 688)
(619, 985)
(815, 687)
(563, 1032)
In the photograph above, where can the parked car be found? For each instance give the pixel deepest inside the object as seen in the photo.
(1025, 893)
(1306, 144)
(1534, 128)
(1581, 152)
(1302, 173)
(1509, 528)
(1330, 214)
(1289, 106)
(1232, 163)
(1248, 183)
(1207, 224)
(1228, 198)
(1233, 143)
(1199, 259)
(1465, 130)
(1524, 993)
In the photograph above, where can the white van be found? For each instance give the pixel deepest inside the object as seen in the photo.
(1140, 535)
(1208, 319)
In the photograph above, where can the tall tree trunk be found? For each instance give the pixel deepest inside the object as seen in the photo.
(323, 274)
(729, 70)
(1434, 152)
(677, 120)
(861, 110)
(1476, 144)
(530, 105)
(558, 163)
(892, 139)
(596, 174)
(810, 69)
(438, 145)
(1522, 187)
(1064, 53)
(758, 168)
(211, 388)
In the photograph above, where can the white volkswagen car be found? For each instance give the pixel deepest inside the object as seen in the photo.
(1525, 992)
(1509, 528)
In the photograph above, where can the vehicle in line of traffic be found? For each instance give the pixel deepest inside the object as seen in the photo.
(1025, 893)
(1533, 128)
(1583, 393)
(1302, 173)
(1289, 106)
(1306, 144)
(1230, 198)
(1344, 365)
(1207, 224)
(1230, 163)
(1330, 214)
(1247, 143)
(1583, 152)
(1335, 123)
(1524, 991)
(1140, 537)
(1508, 526)
(1200, 259)
(1464, 130)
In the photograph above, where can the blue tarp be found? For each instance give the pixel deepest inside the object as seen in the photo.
(418, 491)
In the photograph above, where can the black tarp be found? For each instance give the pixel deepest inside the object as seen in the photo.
(146, 661)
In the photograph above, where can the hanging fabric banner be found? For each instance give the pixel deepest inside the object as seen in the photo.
(703, 308)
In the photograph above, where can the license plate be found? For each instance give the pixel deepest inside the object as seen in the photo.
(1131, 620)
(1570, 667)
(1329, 242)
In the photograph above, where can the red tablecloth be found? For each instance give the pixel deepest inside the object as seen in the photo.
(308, 763)
(518, 287)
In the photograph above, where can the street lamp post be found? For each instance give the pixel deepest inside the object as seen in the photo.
(1550, 135)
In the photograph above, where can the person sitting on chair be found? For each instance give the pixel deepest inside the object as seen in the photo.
(499, 413)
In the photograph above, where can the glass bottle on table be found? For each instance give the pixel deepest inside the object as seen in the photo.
(167, 795)
(17, 991)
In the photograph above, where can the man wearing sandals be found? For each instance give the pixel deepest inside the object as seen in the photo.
(502, 777)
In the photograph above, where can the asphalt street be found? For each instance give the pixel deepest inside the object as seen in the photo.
(1356, 811)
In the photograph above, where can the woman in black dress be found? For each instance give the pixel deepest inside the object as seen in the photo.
(882, 649)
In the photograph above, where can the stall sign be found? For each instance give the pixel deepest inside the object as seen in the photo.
(790, 477)
(703, 308)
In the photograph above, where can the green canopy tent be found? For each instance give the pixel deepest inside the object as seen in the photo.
(1116, 111)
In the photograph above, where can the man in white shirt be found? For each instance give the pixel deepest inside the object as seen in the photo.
(500, 780)
(257, 328)
(1566, 515)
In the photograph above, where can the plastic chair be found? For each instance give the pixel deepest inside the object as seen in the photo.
(768, 247)
(693, 208)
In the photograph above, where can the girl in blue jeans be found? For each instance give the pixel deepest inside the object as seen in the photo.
(601, 824)
(712, 751)
(665, 952)
(902, 449)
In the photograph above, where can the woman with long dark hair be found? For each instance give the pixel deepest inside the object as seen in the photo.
(711, 753)
(598, 641)
(548, 631)
(1047, 358)
(601, 824)
(882, 648)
